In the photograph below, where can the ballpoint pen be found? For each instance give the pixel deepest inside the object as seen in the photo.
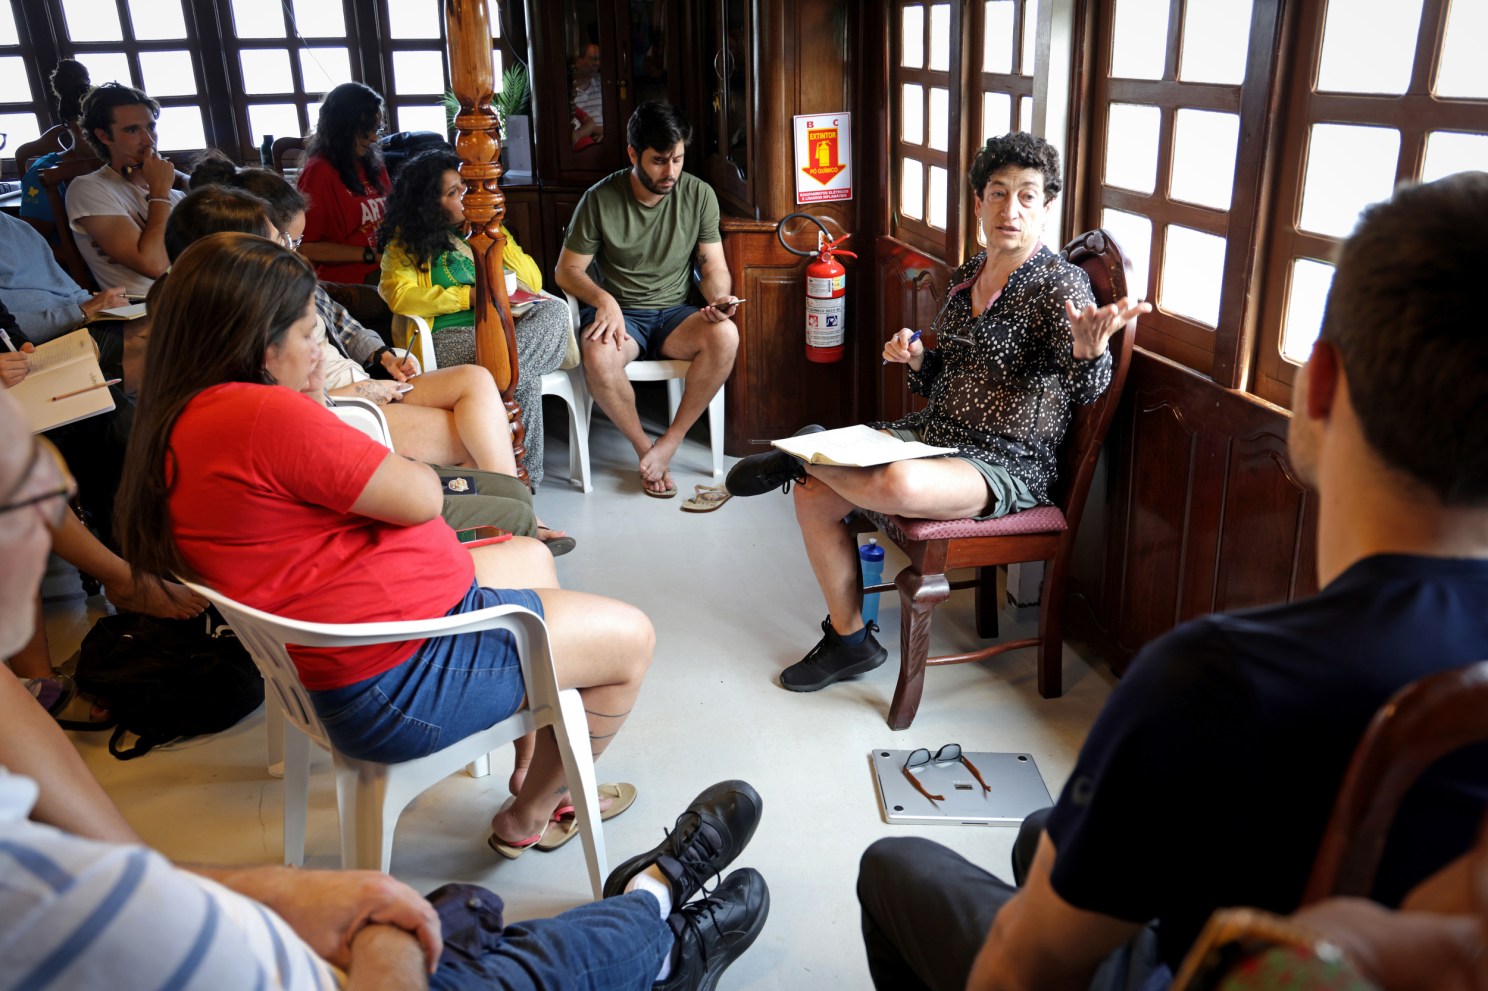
(912, 338)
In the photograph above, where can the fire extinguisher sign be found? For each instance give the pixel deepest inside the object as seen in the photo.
(823, 157)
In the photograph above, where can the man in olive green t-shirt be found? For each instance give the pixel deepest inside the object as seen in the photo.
(643, 227)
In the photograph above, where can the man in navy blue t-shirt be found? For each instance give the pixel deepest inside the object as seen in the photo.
(1208, 778)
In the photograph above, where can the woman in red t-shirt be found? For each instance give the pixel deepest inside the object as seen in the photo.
(236, 479)
(346, 184)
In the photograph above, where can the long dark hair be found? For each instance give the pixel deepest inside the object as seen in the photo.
(70, 84)
(279, 195)
(224, 303)
(350, 110)
(415, 218)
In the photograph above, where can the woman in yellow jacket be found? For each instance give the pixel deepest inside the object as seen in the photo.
(428, 271)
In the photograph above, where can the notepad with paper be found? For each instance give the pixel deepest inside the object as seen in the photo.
(68, 364)
(858, 446)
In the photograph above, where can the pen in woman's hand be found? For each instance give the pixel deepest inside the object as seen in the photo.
(912, 338)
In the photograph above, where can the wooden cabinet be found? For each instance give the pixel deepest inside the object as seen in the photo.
(741, 70)
(724, 137)
(595, 62)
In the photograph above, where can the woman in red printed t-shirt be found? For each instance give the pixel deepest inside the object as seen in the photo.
(235, 478)
(346, 184)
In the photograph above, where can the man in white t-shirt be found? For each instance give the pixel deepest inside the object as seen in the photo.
(118, 212)
(83, 904)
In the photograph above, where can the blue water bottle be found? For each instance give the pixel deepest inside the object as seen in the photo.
(871, 556)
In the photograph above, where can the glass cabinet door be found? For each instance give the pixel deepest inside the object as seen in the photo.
(728, 76)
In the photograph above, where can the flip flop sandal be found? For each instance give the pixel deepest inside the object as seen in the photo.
(86, 714)
(565, 820)
(559, 546)
(511, 851)
(707, 499)
(53, 693)
(665, 493)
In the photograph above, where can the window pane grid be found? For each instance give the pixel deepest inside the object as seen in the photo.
(1367, 143)
(926, 53)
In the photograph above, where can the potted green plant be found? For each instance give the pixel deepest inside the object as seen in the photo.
(511, 105)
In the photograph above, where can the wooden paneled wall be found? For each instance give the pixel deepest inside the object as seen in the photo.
(1203, 512)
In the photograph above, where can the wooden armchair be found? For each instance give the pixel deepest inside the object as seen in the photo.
(1044, 533)
(52, 180)
(289, 154)
(1424, 722)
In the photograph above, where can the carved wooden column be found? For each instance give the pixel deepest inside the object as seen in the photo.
(477, 141)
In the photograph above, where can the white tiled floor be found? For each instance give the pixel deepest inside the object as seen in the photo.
(733, 602)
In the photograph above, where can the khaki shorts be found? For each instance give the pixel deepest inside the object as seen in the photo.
(1006, 494)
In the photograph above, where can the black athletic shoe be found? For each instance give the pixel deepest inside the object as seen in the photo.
(831, 660)
(773, 469)
(714, 931)
(708, 836)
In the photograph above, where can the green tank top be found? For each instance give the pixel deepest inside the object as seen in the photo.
(453, 268)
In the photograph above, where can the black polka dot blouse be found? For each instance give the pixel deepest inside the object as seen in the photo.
(1004, 394)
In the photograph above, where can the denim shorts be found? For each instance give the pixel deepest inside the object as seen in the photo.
(450, 688)
(650, 328)
(1006, 493)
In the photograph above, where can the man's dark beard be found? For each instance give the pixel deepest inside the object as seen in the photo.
(646, 181)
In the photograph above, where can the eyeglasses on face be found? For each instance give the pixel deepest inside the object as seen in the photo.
(47, 459)
(292, 243)
(948, 754)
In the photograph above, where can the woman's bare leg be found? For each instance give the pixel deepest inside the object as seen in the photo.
(603, 648)
(479, 415)
(74, 544)
(34, 659)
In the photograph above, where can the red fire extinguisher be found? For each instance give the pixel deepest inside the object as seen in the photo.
(826, 294)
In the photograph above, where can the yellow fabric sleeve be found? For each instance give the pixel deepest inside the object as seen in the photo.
(407, 289)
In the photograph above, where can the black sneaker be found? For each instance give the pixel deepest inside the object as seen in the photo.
(714, 931)
(831, 660)
(773, 469)
(708, 836)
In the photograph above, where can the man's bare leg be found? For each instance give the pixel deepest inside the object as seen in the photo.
(604, 371)
(711, 348)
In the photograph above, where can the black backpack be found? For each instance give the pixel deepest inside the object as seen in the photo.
(165, 679)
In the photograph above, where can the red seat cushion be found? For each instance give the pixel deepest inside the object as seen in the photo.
(1039, 519)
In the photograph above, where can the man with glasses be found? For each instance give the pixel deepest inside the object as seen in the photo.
(1208, 778)
(119, 211)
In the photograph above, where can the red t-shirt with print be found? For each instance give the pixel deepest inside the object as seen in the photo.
(338, 215)
(260, 507)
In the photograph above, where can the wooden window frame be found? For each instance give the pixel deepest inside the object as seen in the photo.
(1415, 114)
(293, 43)
(64, 47)
(920, 233)
(1221, 352)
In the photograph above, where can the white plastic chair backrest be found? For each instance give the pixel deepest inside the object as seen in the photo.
(265, 635)
(364, 415)
(423, 349)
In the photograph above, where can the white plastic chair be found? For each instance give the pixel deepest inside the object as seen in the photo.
(565, 383)
(673, 372)
(370, 796)
(365, 416)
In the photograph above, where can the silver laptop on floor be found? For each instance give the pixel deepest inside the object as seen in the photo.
(1017, 788)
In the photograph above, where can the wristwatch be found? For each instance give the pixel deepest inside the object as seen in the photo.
(368, 256)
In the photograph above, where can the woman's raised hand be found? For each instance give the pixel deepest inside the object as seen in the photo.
(1093, 326)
